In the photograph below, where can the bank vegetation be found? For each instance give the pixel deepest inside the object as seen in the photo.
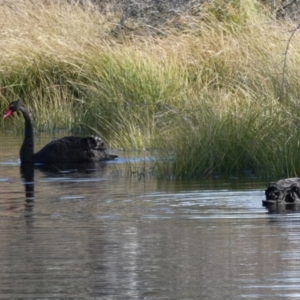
(212, 91)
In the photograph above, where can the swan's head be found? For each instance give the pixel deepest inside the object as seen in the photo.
(12, 107)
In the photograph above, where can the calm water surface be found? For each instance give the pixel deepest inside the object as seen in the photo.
(91, 232)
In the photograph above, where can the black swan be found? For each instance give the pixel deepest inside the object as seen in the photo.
(68, 149)
(284, 191)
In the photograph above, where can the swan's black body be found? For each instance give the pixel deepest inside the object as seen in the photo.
(284, 191)
(65, 150)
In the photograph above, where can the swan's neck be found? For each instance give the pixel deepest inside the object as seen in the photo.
(26, 151)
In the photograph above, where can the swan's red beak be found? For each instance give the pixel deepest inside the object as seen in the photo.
(7, 113)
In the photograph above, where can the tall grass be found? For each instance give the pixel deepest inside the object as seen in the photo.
(206, 96)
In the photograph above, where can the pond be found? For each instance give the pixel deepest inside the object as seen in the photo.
(89, 232)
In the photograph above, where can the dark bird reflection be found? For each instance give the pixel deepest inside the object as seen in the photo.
(282, 208)
(27, 174)
(65, 168)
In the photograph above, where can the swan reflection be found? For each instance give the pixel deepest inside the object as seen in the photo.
(27, 174)
(51, 171)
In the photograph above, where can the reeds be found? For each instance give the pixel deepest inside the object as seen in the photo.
(206, 96)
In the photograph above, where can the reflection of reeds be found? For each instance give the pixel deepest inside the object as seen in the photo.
(205, 96)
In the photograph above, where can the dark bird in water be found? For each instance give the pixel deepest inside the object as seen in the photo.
(284, 191)
(68, 149)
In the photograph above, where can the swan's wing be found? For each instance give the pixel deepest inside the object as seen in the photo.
(73, 149)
